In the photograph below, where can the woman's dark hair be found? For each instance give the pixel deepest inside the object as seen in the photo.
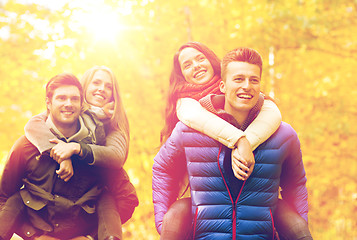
(177, 79)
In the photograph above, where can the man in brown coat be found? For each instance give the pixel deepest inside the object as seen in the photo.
(57, 203)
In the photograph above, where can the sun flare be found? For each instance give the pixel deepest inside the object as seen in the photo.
(101, 21)
(103, 25)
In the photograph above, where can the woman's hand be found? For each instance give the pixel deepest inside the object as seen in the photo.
(65, 172)
(239, 165)
(63, 151)
(243, 159)
(109, 109)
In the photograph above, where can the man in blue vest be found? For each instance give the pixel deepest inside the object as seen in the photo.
(224, 207)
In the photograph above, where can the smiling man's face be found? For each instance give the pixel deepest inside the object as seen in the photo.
(65, 106)
(241, 87)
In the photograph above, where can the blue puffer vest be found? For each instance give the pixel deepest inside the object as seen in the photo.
(216, 214)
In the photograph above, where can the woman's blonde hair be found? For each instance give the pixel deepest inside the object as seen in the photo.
(119, 120)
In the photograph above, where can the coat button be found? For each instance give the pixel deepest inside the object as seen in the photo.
(28, 233)
(27, 202)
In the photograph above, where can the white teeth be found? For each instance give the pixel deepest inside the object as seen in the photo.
(199, 74)
(99, 96)
(67, 113)
(246, 96)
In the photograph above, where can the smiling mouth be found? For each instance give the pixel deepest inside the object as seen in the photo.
(245, 96)
(101, 97)
(67, 113)
(199, 74)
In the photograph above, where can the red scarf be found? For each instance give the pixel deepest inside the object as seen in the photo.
(198, 91)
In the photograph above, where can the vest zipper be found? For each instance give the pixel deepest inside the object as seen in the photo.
(234, 229)
(235, 211)
(234, 203)
(272, 222)
(195, 223)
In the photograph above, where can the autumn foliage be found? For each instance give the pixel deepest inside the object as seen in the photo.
(310, 57)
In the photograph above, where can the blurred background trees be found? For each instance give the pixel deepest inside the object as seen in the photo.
(310, 56)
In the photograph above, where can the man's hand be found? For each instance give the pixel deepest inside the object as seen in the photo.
(243, 159)
(63, 151)
(65, 172)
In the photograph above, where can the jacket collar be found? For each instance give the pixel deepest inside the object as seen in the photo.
(215, 104)
(78, 136)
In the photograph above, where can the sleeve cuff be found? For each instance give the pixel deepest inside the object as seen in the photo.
(87, 153)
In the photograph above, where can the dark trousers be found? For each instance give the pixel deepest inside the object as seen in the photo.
(177, 222)
(289, 224)
(109, 222)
